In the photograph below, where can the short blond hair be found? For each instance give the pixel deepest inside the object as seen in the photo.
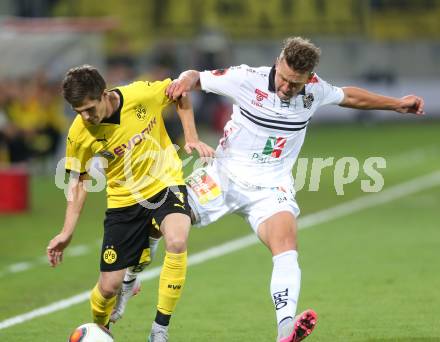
(300, 54)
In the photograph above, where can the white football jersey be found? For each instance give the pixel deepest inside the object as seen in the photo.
(262, 140)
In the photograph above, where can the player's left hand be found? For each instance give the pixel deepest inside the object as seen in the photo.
(204, 150)
(411, 104)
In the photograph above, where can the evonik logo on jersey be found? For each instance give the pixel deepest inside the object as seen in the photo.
(135, 139)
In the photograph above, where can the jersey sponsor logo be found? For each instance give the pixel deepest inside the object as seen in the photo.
(256, 103)
(219, 72)
(141, 112)
(174, 287)
(261, 95)
(203, 185)
(135, 139)
(308, 100)
(274, 146)
(109, 256)
(271, 151)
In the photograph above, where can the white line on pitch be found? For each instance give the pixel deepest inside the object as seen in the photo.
(413, 186)
(73, 251)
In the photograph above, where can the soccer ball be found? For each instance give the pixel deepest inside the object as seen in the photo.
(91, 332)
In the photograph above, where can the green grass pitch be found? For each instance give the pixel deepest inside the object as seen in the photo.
(371, 276)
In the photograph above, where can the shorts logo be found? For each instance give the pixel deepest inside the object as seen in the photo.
(109, 256)
(141, 112)
(145, 256)
(155, 225)
(274, 146)
(204, 186)
(281, 194)
(180, 196)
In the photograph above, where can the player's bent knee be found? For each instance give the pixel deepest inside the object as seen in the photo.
(108, 290)
(278, 246)
(176, 244)
(110, 282)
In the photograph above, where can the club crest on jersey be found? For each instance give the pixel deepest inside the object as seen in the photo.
(274, 146)
(308, 100)
(141, 112)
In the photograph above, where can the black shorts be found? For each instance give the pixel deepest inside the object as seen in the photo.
(127, 229)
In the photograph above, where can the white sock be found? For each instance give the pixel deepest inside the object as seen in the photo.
(132, 272)
(154, 243)
(285, 284)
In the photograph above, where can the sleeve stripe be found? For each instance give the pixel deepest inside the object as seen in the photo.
(80, 173)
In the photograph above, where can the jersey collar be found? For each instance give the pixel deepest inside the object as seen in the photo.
(115, 118)
(271, 86)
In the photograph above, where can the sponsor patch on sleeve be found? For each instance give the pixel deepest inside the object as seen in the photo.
(204, 186)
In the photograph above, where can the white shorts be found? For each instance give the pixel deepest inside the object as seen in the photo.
(213, 194)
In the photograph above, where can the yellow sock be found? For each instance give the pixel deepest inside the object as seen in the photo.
(172, 279)
(101, 307)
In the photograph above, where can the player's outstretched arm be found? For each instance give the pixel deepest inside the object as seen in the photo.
(363, 99)
(187, 81)
(75, 202)
(192, 142)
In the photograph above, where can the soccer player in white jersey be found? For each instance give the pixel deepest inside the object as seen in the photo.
(252, 171)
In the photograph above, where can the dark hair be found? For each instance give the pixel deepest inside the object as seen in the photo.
(82, 82)
(300, 54)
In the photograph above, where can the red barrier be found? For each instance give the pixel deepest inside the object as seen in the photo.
(14, 190)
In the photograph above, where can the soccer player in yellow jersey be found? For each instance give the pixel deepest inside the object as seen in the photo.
(146, 195)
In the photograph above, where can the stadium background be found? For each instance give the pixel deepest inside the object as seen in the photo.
(370, 270)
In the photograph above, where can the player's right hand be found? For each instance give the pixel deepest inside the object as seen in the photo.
(205, 151)
(411, 104)
(56, 248)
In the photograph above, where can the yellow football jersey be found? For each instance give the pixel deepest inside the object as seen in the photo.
(140, 156)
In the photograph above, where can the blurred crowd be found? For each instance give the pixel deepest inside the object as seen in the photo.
(32, 119)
